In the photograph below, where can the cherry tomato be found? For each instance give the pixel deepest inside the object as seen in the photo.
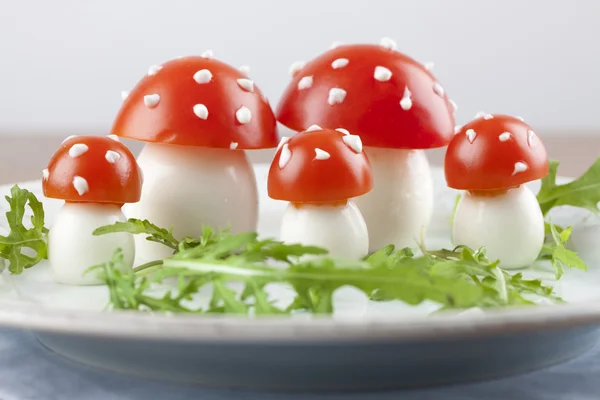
(494, 152)
(93, 169)
(384, 96)
(197, 101)
(323, 165)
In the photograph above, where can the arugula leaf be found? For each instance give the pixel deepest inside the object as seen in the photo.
(22, 247)
(558, 254)
(136, 227)
(128, 291)
(460, 278)
(583, 192)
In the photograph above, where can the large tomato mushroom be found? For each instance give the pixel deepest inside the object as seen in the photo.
(492, 158)
(319, 172)
(398, 108)
(95, 176)
(197, 115)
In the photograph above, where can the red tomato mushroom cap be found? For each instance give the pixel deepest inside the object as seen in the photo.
(376, 92)
(494, 152)
(198, 101)
(321, 165)
(93, 169)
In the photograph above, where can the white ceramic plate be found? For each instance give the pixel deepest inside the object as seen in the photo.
(356, 348)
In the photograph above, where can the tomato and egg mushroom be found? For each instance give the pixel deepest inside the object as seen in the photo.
(319, 172)
(197, 115)
(398, 108)
(492, 158)
(95, 176)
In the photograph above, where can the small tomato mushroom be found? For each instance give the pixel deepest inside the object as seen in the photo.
(319, 171)
(197, 115)
(492, 158)
(95, 176)
(398, 108)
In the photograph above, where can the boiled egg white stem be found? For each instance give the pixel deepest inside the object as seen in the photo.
(398, 209)
(510, 226)
(186, 187)
(72, 249)
(340, 229)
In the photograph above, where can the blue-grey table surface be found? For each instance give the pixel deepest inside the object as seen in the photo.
(28, 371)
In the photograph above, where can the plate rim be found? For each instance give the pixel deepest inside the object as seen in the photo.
(147, 326)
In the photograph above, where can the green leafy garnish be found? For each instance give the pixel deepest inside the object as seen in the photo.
(558, 254)
(582, 192)
(23, 247)
(460, 278)
(136, 226)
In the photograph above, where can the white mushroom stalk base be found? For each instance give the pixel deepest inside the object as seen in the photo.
(72, 248)
(398, 209)
(340, 229)
(187, 187)
(509, 226)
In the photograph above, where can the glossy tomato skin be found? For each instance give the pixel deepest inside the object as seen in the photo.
(307, 179)
(371, 108)
(173, 120)
(484, 154)
(116, 182)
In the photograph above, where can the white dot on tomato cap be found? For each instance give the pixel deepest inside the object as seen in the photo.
(530, 137)
(246, 84)
(471, 135)
(233, 145)
(243, 115)
(428, 66)
(382, 74)
(336, 96)
(151, 100)
(153, 70)
(406, 101)
(354, 142)
(321, 154)
(305, 83)
(45, 173)
(124, 94)
(77, 149)
(342, 130)
(504, 136)
(207, 54)
(80, 185)
(339, 63)
(201, 111)
(282, 142)
(203, 76)
(520, 167)
(296, 66)
(453, 105)
(313, 128)
(457, 128)
(112, 156)
(285, 156)
(387, 43)
(438, 89)
(113, 137)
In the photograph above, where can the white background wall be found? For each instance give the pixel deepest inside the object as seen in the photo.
(63, 63)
